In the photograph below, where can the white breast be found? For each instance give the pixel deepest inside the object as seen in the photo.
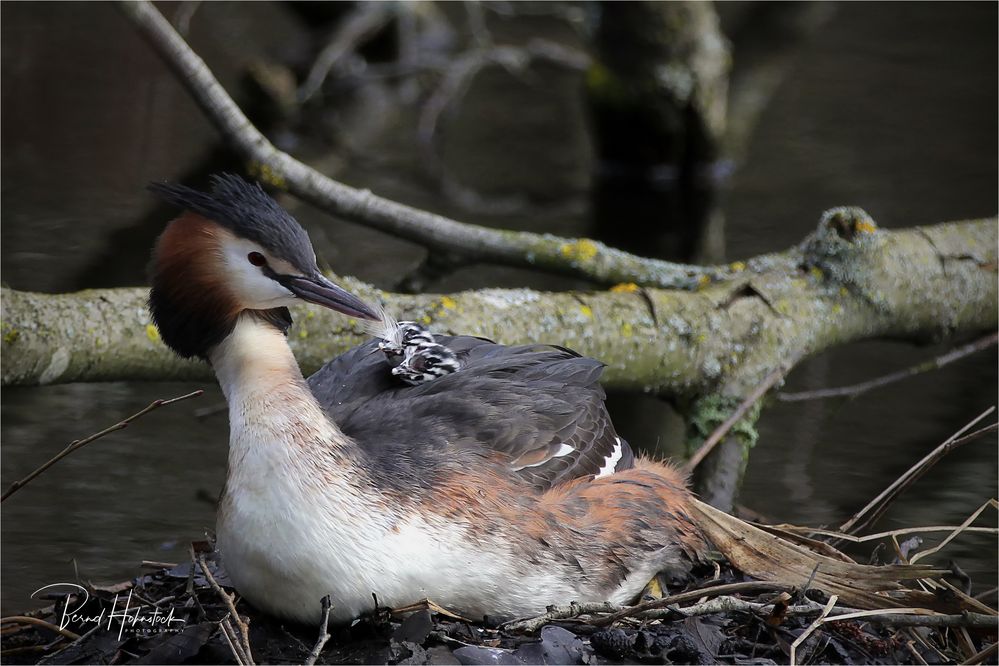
(286, 544)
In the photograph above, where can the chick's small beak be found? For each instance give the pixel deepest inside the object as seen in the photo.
(321, 291)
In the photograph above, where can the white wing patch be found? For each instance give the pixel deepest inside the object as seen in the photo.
(612, 459)
(563, 450)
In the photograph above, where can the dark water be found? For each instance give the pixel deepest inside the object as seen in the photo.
(891, 107)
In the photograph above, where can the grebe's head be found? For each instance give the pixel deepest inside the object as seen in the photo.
(234, 249)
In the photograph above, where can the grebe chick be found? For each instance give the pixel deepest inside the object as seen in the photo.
(399, 337)
(425, 362)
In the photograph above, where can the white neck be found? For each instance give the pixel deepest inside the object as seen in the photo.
(270, 403)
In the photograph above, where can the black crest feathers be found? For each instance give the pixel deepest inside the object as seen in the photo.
(249, 212)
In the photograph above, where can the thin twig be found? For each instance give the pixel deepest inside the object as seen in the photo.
(901, 617)
(582, 258)
(25, 619)
(184, 15)
(794, 529)
(854, 390)
(964, 641)
(811, 628)
(430, 605)
(618, 612)
(983, 655)
(460, 73)
(719, 433)
(80, 443)
(987, 594)
(921, 639)
(353, 31)
(233, 640)
(876, 507)
(950, 537)
(560, 612)
(714, 578)
(691, 595)
(324, 634)
(230, 602)
(148, 564)
(910, 646)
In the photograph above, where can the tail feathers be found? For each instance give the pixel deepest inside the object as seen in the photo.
(768, 557)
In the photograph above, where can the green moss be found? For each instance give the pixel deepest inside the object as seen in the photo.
(711, 411)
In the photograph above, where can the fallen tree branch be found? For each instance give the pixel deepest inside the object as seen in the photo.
(78, 444)
(581, 258)
(679, 344)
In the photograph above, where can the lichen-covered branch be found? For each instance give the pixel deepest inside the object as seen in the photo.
(583, 258)
(853, 281)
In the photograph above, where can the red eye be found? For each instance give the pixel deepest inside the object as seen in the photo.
(256, 259)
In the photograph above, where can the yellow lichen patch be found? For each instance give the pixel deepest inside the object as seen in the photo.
(843, 291)
(626, 330)
(703, 281)
(448, 303)
(426, 319)
(737, 266)
(581, 249)
(816, 272)
(302, 334)
(10, 336)
(837, 308)
(625, 288)
(587, 311)
(264, 173)
(865, 227)
(152, 333)
(310, 314)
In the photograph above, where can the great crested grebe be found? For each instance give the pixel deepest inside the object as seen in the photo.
(496, 488)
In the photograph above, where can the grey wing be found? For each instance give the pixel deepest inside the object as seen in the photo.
(540, 407)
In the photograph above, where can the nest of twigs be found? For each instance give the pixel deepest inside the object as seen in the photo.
(188, 614)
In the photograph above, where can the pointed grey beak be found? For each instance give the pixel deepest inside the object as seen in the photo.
(321, 291)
